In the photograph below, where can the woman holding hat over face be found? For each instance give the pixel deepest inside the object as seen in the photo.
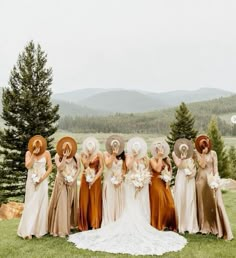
(90, 198)
(161, 200)
(63, 206)
(212, 216)
(113, 190)
(34, 218)
(137, 162)
(185, 190)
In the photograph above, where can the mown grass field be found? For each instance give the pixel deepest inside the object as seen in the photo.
(201, 246)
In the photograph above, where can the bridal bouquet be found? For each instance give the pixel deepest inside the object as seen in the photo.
(68, 179)
(139, 178)
(188, 170)
(89, 174)
(116, 177)
(69, 174)
(35, 177)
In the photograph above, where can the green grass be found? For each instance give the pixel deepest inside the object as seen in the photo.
(202, 246)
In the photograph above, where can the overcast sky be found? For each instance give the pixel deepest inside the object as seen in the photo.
(159, 45)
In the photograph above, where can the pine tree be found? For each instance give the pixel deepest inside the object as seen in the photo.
(182, 127)
(218, 146)
(232, 161)
(27, 111)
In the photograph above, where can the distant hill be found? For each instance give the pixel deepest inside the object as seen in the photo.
(130, 101)
(157, 121)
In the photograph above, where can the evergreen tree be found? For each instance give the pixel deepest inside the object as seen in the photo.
(218, 146)
(182, 127)
(232, 161)
(234, 130)
(27, 111)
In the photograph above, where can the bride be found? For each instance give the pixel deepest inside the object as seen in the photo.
(132, 232)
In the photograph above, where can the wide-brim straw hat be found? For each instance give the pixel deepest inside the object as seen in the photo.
(41, 140)
(90, 141)
(181, 143)
(139, 141)
(115, 139)
(199, 140)
(62, 142)
(163, 144)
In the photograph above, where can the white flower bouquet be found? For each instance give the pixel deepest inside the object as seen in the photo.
(213, 182)
(69, 175)
(139, 178)
(89, 174)
(35, 178)
(68, 179)
(116, 177)
(165, 175)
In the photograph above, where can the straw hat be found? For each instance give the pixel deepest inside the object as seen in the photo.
(160, 144)
(138, 145)
(37, 141)
(115, 141)
(183, 145)
(66, 142)
(90, 143)
(203, 139)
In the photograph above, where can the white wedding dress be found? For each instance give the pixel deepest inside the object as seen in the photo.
(131, 233)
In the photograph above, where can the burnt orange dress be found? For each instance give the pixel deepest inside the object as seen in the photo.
(90, 201)
(161, 203)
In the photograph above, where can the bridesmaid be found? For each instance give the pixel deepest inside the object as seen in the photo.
(113, 190)
(63, 204)
(161, 200)
(185, 190)
(34, 218)
(138, 162)
(212, 215)
(90, 198)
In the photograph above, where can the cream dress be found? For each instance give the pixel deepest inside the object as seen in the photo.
(34, 220)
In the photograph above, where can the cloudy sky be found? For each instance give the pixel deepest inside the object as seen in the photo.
(158, 45)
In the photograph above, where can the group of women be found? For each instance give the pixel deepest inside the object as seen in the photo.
(128, 207)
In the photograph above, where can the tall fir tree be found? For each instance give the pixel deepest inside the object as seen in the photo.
(27, 111)
(232, 162)
(219, 147)
(182, 127)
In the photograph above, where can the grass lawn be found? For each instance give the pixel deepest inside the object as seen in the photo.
(201, 246)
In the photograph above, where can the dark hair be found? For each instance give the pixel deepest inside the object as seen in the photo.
(121, 156)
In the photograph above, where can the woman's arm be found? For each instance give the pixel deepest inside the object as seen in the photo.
(101, 167)
(129, 161)
(49, 166)
(178, 162)
(109, 159)
(215, 163)
(29, 160)
(60, 164)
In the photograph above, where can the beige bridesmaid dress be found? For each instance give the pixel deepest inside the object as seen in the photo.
(112, 196)
(63, 207)
(185, 196)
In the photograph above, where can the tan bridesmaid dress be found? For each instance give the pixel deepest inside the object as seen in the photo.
(212, 215)
(63, 205)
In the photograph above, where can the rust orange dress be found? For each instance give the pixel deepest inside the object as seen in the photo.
(161, 203)
(90, 201)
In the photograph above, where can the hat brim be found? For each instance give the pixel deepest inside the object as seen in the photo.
(183, 141)
(165, 146)
(119, 139)
(88, 139)
(59, 147)
(199, 139)
(143, 151)
(39, 138)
